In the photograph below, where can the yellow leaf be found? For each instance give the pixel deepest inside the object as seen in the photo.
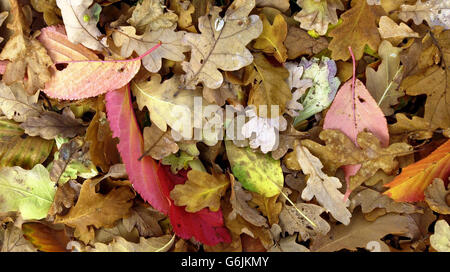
(271, 39)
(201, 190)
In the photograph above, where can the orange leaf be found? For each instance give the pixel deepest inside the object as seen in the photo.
(410, 185)
(45, 238)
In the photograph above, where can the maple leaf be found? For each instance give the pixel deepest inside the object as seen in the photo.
(257, 172)
(435, 83)
(268, 85)
(149, 15)
(410, 185)
(309, 45)
(171, 48)
(272, 37)
(152, 244)
(383, 84)
(369, 153)
(45, 238)
(26, 55)
(324, 188)
(318, 14)
(356, 31)
(436, 197)
(222, 47)
(440, 240)
(51, 12)
(360, 232)
(201, 190)
(80, 24)
(29, 191)
(394, 33)
(94, 209)
(16, 149)
(50, 124)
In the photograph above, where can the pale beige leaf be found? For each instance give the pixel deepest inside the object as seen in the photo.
(318, 14)
(440, 240)
(436, 196)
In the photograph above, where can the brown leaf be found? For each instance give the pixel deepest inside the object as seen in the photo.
(45, 238)
(437, 197)
(157, 143)
(145, 219)
(268, 206)
(68, 152)
(12, 240)
(65, 197)
(50, 125)
(309, 45)
(97, 210)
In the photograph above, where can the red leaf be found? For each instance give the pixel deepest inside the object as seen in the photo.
(410, 185)
(154, 182)
(354, 110)
(143, 174)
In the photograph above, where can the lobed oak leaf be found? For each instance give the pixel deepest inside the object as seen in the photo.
(436, 197)
(80, 25)
(145, 219)
(360, 232)
(410, 185)
(97, 210)
(184, 10)
(318, 14)
(49, 125)
(221, 47)
(152, 244)
(309, 45)
(383, 84)
(150, 15)
(324, 188)
(340, 151)
(288, 244)
(434, 12)
(50, 10)
(17, 149)
(394, 33)
(171, 47)
(201, 190)
(356, 31)
(415, 128)
(29, 191)
(272, 37)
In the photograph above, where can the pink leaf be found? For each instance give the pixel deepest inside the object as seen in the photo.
(154, 182)
(354, 110)
(60, 49)
(143, 174)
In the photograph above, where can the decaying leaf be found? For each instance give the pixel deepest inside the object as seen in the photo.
(145, 219)
(96, 210)
(221, 44)
(151, 15)
(51, 12)
(394, 33)
(272, 37)
(12, 240)
(318, 14)
(440, 240)
(153, 244)
(309, 45)
(45, 238)
(158, 143)
(16, 104)
(437, 197)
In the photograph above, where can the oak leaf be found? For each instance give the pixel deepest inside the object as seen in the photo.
(405, 128)
(97, 210)
(145, 219)
(184, 10)
(268, 206)
(157, 143)
(383, 84)
(150, 15)
(282, 5)
(221, 46)
(152, 244)
(201, 190)
(356, 31)
(410, 185)
(436, 197)
(272, 37)
(52, 15)
(394, 33)
(425, 10)
(318, 14)
(171, 47)
(440, 240)
(309, 45)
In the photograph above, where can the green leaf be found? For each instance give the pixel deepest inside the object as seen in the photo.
(18, 149)
(257, 172)
(29, 191)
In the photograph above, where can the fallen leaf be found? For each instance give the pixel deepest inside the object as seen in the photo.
(383, 84)
(50, 125)
(184, 10)
(268, 206)
(255, 171)
(318, 14)
(410, 185)
(152, 244)
(324, 188)
(201, 190)
(415, 128)
(440, 240)
(97, 210)
(51, 12)
(149, 15)
(423, 10)
(309, 45)
(282, 5)
(80, 24)
(145, 219)
(12, 240)
(359, 233)
(65, 197)
(272, 37)
(390, 31)
(222, 47)
(17, 149)
(171, 47)
(16, 104)
(29, 191)
(157, 143)
(45, 238)
(288, 244)
(436, 197)
(356, 31)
